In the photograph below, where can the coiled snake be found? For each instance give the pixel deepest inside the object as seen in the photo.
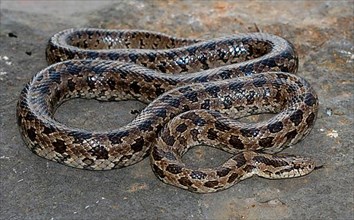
(196, 90)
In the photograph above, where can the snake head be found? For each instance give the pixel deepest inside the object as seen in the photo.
(283, 166)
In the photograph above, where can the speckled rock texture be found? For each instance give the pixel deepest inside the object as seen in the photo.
(34, 188)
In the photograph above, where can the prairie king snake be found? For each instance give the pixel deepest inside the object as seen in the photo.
(196, 90)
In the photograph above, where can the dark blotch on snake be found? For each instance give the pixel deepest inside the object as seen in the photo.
(250, 96)
(213, 90)
(227, 102)
(161, 112)
(249, 132)
(269, 62)
(170, 101)
(249, 168)
(158, 171)
(192, 96)
(194, 133)
(91, 82)
(182, 65)
(240, 159)
(236, 86)
(195, 118)
(174, 102)
(266, 142)
(222, 55)
(174, 168)
(48, 130)
(159, 91)
(195, 174)
(275, 127)
(181, 128)
(145, 125)
(310, 100)
(71, 85)
(99, 152)
(310, 119)
(170, 156)
(290, 135)
(232, 177)
(182, 141)
(248, 70)
(168, 139)
(211, 184)
(236, 142)
(185, 181)
(212, 134)
(157, 154)
(185, 108)
(111, 83)
(162, 67)
(135, 87)
(259, 82)
(31, 134)
(116, 138)
(72, 69)
(151, 56)
(223, 171)
(296, 117)
(113, 56)
(199, 121)
(205, 104)
(203, 60)
(291, 89)
(133, 57)
(138, 145)
(59, 146)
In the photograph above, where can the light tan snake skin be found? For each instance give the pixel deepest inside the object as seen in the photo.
(196, 90)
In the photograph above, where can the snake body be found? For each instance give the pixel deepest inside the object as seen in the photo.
(196, 89)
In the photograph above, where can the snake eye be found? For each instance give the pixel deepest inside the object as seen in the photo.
(312, 166)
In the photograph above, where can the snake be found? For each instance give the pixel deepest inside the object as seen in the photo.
(196, 91)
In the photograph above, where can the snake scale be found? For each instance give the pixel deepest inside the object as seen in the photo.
(195, 90)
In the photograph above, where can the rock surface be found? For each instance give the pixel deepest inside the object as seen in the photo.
(33, 188)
